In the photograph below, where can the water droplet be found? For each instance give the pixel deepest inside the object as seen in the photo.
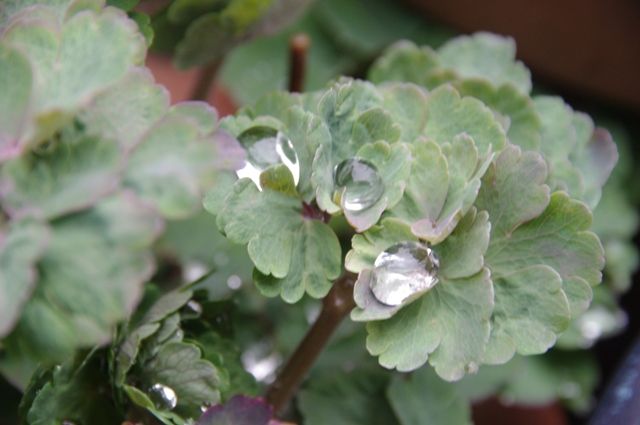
(265, 147)
(163, 396)
(358, 184)
(234, 282)
(403, 272)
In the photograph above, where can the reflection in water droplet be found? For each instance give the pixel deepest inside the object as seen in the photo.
(403, 272)
(358, 184)
(234, 282)
(163, 397)
(598, 322)
(471, 367)
(265, 147)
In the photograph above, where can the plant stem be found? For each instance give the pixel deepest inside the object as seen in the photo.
(205, 82)
(298, 48)
(335, 307)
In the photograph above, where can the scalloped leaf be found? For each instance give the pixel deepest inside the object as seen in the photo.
(67, 73)
(125, 112)
(404, 61)
(79, 299)
(280, 240)
(449, 326)
(22, 243)
(524, 127)
(423, 397)
(180, 366)
(174, 163)
(541, 253)
(70, 174)
(488, 56)
(452, 172)
(449, 115)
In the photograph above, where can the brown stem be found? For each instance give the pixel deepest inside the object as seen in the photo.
(335, 307)
(205, 82)
(298, 48)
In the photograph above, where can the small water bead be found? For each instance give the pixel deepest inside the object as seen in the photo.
(403, 272)
(266, 146)
(358, 184)
(163, 397)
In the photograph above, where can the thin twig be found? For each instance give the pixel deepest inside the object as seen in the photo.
(298, 48)
(335, 307)
(205, 82)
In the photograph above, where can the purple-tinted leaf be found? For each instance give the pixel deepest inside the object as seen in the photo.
(239, 410)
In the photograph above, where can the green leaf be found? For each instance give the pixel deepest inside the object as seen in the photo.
(449, 326)
(404, 61)
(541, 256)
(449, 115)
(487, 56)
(126, 5)
(179, 366)
(314, 264)
(452, 172)
(423, 398)
(15, 85)
(73, 173)
(67, 73)
(74, 391)
(351, 398)
(281, 242)
(172, 166)
(124, 113)
(80, 298)
(22, 243)
(524, 126)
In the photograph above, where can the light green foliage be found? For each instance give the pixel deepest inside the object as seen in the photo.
(423, 398)
(96, 154)
(65, 73)
(79, 298)
(302, 255)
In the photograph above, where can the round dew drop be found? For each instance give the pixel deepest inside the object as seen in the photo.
(266, 146)
(163, 397)
(403, 272)
(358, 184)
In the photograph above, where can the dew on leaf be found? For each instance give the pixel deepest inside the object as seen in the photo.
(265, 147)
(358, 185)
(194, 307)
(403, 272)
(163, 397)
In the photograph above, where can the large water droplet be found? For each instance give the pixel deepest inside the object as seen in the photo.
(358, 184)
(163, 397)
(265, 147)
(403, 272)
